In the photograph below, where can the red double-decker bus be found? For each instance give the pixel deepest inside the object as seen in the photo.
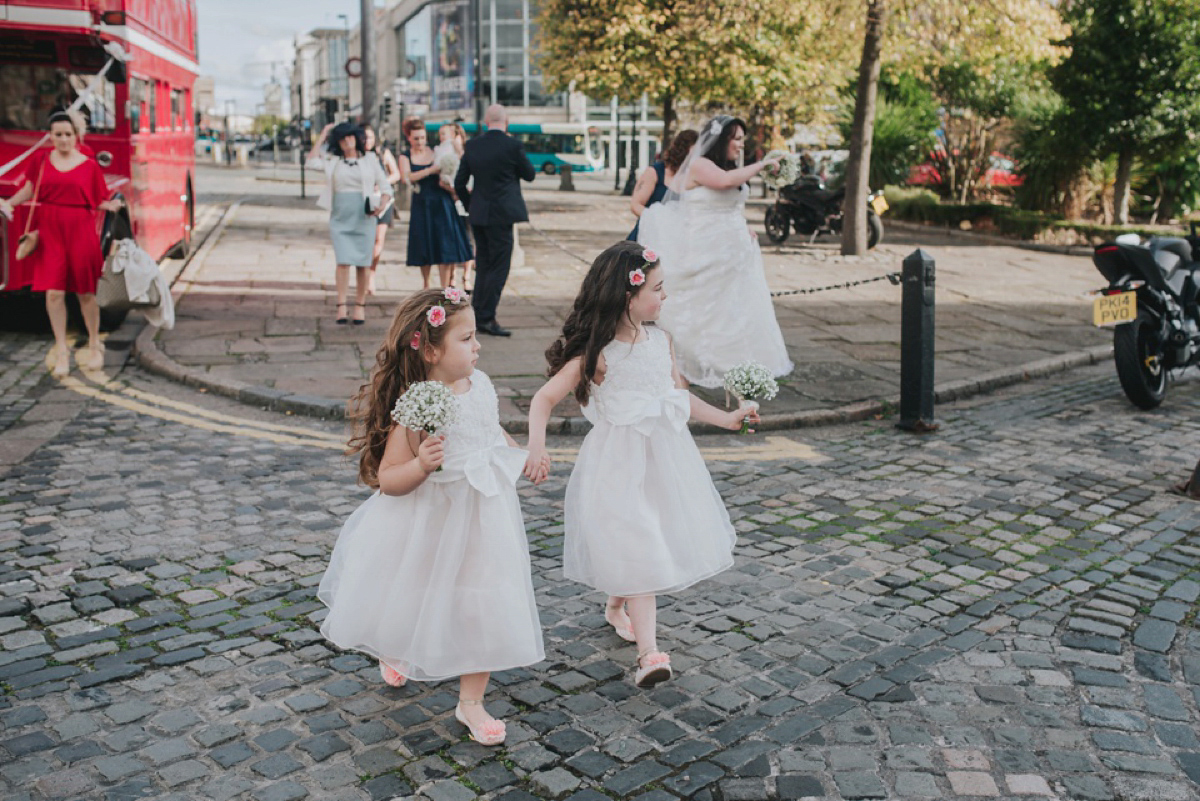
(139, 116)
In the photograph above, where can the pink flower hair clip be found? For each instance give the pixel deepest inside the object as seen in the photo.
(454, 294)
(415, 342)
(636, 278)
(436, 316)
(649, 256)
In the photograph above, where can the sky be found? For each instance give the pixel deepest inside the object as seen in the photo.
(240, 38)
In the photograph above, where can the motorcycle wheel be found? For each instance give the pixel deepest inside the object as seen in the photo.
(777, 225)
(874, 229)
(1139, 357)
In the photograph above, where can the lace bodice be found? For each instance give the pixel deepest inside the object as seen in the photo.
(478, 423)
(634, 375)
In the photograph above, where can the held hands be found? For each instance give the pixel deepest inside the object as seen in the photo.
(537, 465)
(432, 453)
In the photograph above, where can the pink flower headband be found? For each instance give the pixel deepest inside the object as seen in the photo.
(638, 277)
(436, 315)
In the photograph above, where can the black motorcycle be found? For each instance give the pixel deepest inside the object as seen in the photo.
(811, 209)
(1153, 299)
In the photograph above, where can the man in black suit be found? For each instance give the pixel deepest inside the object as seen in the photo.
(494, 205)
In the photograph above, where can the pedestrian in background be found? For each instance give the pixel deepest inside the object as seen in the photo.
(67, 187)
(356, 192)
(654, 181)
(496, 162)
(460, 143)
(434, 235)
(392, 169)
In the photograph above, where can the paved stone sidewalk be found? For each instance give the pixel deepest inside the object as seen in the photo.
(257, 309)
(1004, 609)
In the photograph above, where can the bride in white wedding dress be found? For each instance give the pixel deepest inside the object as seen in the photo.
(718, 308)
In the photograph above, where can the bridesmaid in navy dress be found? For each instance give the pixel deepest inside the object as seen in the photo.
(435, 236)
(654, 181)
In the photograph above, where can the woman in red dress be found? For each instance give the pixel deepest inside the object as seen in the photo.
(68, 257)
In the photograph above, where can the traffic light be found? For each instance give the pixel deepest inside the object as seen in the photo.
(385, 109)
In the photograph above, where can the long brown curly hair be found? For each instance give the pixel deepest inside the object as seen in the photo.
(681, 145)
(397, 367)
(602, 301)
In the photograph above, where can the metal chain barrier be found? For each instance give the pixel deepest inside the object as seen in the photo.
(893, 277)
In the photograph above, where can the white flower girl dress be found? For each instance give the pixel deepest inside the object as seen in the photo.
(436, 583)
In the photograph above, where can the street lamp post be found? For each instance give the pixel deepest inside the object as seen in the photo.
(228, 135)
(366, 45)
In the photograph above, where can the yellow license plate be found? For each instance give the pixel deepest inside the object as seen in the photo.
(879, 205)
(1115, 309)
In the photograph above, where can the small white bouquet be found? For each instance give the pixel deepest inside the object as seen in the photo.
(427, 406)
(784, 173)
(750, 382)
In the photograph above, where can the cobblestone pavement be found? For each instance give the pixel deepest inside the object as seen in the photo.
(258, 309)
(1003, 609)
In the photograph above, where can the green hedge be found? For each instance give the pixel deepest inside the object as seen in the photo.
(923, 206)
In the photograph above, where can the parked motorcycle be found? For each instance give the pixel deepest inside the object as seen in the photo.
(811, 209)
(1153, 300)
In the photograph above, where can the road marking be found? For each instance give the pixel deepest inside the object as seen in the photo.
(106, 389)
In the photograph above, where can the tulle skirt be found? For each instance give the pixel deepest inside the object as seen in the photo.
(435, 583)
(642, 514)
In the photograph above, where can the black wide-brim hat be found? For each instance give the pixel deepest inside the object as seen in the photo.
(344, 129)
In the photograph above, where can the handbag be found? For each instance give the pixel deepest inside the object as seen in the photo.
(371, 203)
(29, 240)
(112, 293)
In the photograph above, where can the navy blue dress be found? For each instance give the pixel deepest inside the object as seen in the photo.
(660, 191)
(436, 235)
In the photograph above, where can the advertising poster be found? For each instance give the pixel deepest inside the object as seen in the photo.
(451, 56)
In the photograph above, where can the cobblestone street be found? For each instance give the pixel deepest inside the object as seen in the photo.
(1002, 609)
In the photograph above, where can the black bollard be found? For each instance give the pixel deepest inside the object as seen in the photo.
(916, 344)
(565, 183)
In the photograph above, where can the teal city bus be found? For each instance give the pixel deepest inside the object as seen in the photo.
(549, 145)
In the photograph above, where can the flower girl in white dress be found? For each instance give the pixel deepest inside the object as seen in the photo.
(431, 574)
(642, 514)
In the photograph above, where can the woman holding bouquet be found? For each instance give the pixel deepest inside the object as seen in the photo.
(435, 236)
(719, 309)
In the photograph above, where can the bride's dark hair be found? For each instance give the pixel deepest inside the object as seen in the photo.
(718, 151)
(602, 301)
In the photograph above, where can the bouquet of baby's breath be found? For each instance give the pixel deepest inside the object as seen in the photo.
(784, 173)
(750, 382)
(427, 406)
(448, 163)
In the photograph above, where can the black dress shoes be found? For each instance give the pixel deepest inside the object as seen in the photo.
(493, 328)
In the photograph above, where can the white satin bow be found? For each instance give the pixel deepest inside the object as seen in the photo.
(484, 469)
(643, 410)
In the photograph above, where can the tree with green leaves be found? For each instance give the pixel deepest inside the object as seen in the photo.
(1131, 85)
(776, 57)
(923, 33)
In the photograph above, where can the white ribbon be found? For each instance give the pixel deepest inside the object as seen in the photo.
(116, 53)
(487, 469)
(642, 410)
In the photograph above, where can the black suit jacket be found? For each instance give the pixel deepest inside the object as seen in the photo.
(497, 162)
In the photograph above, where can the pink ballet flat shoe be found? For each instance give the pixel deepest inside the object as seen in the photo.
(491, 733)
(393, 678)
(654, 668)
(624, 632)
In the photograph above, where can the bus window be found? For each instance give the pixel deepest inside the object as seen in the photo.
(29, 93)
(152, 112)
(177, 112)
(137, 100)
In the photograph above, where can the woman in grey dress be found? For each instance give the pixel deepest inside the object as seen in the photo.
(354, 182)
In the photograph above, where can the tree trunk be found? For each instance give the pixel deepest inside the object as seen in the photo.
(858, 167)
(668, 117)
(1121, 186)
